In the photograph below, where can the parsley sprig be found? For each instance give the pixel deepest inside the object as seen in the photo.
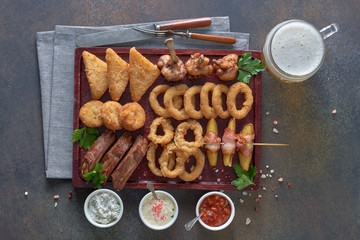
(95, 176)
(250, 65)
(245, 178)
(85, 136)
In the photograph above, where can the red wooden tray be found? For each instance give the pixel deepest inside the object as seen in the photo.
(142, 174)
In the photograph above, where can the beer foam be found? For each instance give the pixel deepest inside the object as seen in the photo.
(297, 48)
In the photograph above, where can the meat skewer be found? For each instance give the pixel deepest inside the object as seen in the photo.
(172, 68)
(130, 162)
(115, 154)
(97, 151)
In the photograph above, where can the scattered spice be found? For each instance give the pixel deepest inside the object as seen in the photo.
(26, 193)
(275, 130)
(244, 193)
(275, 122)
(55, 205)
(241, 200)
(272, 171)
(289, 185)
(247, 221)
(257, 200)
(333, 111)
(56, 197)
(267, 166)
(70, 196)
(218, 180)
(256, 209)
(280, 179)
(267, 113)
(200, 177)
(276, 196)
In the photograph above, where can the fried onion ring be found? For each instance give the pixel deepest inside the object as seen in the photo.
(167, 128)
(206, 110)
(217, 100)
(177, 90)
(150, 156)
(181, 130)
(234, 90)
(200, 163)
(164, 159)
(154, 103)
(189, 102)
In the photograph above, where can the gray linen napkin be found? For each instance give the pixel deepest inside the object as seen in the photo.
(56, 69)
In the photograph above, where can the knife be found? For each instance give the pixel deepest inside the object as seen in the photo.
(131, 35)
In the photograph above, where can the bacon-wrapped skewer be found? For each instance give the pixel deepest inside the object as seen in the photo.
(212, 142)
(228, 147)
(245, 145)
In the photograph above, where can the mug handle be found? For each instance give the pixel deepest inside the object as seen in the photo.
(329, 30)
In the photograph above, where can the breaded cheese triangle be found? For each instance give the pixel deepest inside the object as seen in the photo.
(96, 70)
(142, 74)
(117, 74)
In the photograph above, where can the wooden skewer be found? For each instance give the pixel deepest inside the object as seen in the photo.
(266, 144)
(271, 144)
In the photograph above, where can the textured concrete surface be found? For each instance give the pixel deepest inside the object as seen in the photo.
(322, 163)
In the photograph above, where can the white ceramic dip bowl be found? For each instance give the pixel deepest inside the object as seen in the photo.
(155, 213)
(103, 208)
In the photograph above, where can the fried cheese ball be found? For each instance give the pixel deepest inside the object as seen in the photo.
(90, 114)
(132, 116)
(110, 115)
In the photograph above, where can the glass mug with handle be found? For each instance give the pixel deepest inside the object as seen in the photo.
(294, 50)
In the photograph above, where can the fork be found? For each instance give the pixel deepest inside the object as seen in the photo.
(198, 36)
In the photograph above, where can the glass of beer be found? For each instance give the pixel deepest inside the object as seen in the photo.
(294, 50)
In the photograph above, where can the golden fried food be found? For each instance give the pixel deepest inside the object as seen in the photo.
(110, 115)
(132, 116)
(168, 130)
(226, 68)
(117, 74)
(181, 131)
(200, 163)
(164, 159)
(142, 74)
(217, 102)
(96, 73)
(172, 68)
(177, 90)
(154, 103)
(189, 102)
(234, 90)
(198, 66)
(205, 107)
(150, 156)
(172, 71)
(90, 114)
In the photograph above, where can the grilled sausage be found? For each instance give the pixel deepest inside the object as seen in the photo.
(115, 154)
(128, 165)
(97, 151)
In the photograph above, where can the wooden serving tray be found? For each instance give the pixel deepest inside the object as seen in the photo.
(143, 175)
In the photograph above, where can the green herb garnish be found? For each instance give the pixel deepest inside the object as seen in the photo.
(95, 176)
(85, 136)
(250, 65)
(245, 178)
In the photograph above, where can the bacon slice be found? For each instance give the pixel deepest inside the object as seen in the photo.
(244, 144)
(212, 142)
(228, 148)
(128, 165)
(97, 151)
(115, 154)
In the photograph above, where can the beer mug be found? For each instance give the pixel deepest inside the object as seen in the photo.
(294, 50)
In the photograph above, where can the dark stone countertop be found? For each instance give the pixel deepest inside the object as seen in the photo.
(322, 163)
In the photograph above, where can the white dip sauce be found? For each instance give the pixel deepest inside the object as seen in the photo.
(104, 208)
(297, 48)
(158, 212)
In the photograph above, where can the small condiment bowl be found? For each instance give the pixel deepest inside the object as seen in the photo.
(166, 225)
(227, 222)
(88, 215)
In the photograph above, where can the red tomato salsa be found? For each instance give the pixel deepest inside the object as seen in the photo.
(217, 210)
